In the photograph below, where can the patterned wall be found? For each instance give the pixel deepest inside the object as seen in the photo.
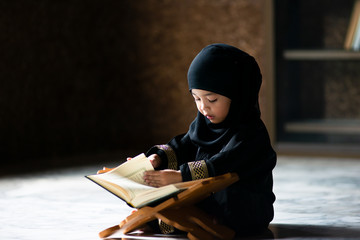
(93, 76)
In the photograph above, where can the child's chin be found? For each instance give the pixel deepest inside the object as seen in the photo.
(214, 121)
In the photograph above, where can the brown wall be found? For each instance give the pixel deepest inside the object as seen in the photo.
(91, 76)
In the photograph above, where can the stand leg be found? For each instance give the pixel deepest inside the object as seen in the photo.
(132, 222)
(206, 222)
(196, 222)
(109, 231)
(137, 219)
(181, 222)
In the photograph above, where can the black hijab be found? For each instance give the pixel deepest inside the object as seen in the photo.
(228, 71)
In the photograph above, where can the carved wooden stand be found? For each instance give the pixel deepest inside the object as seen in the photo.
(181, 213)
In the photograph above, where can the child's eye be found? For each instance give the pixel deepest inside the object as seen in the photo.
(197, 99)
(212, 101)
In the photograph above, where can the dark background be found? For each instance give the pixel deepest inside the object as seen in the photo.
(85, 79)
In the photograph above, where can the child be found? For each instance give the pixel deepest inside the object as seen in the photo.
(226, 136)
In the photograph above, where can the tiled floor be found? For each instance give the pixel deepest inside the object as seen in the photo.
(316, 199)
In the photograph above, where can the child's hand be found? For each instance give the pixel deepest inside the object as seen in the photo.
(162, 177)
(155, 160)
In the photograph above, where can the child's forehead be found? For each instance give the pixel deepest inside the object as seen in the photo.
(200, 92)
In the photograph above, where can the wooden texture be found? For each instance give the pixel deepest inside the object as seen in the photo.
(181, 213)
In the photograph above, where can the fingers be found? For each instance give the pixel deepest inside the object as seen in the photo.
(156, 178)
(155, 160)
(152, 178)
(162, 177)
(104, 170)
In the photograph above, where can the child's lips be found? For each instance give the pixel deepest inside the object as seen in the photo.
(209, 117)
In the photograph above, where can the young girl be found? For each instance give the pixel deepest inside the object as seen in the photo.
(226, 136)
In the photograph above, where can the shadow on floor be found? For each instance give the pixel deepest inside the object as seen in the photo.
(276, 231)
(283, 231)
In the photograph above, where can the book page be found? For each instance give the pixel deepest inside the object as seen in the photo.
(126, 181)
(132, 188)
(133, 169)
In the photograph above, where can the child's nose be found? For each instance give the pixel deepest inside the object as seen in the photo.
(203, 106)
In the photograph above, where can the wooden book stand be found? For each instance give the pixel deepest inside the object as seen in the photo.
(181, 213)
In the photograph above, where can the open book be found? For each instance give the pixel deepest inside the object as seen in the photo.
(126, 182)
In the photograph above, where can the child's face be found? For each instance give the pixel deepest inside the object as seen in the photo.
(213, 106)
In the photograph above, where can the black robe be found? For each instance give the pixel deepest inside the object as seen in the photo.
(247, 205)
(240, 144)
